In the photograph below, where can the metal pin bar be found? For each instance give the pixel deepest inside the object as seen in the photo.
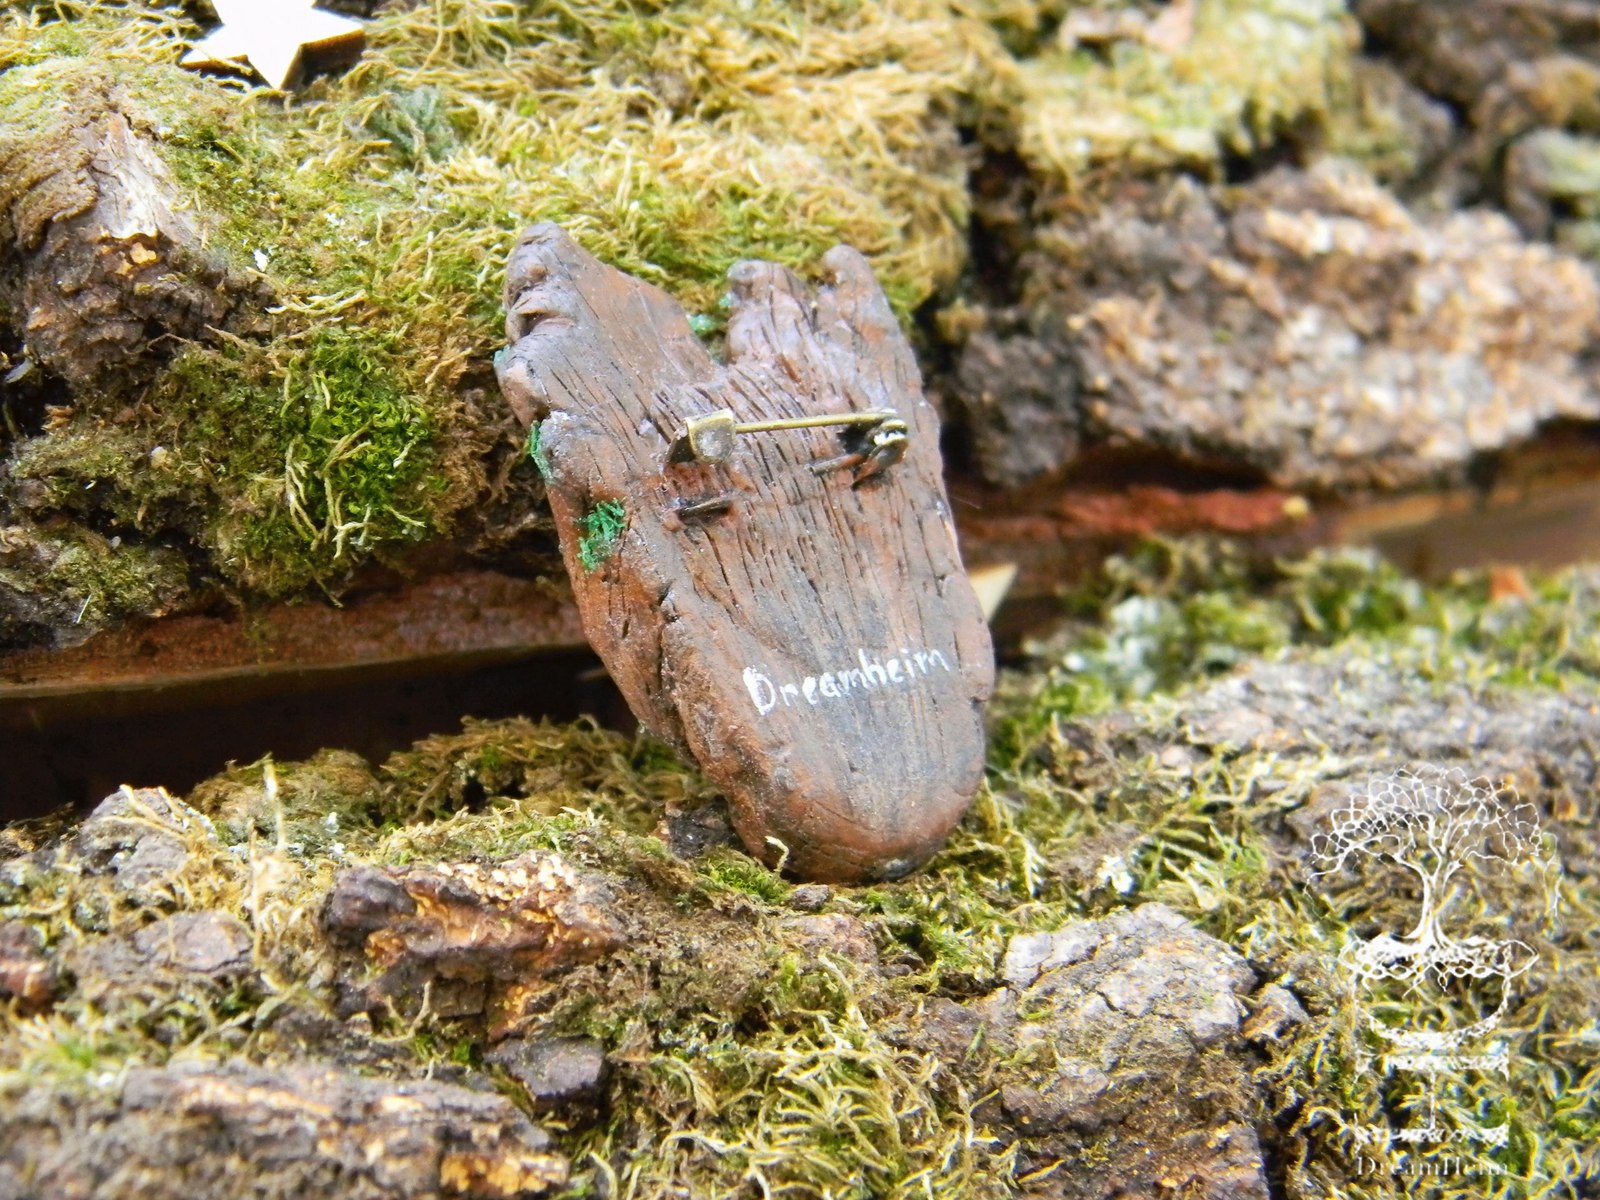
(709, 438)
(872, 417)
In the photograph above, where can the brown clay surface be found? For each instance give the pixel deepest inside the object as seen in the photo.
(816, 647)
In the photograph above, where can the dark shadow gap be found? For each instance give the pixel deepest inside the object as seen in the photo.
(176, 737)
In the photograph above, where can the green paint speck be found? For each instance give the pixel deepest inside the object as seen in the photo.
(536, 452)
(602, 526)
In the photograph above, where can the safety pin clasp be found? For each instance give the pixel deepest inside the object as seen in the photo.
(878, 434)
(881, 448)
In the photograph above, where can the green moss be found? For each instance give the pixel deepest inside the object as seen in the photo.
(536, 453)
(30, 97)
(77, 578)
(108, 1022)
(956, 932)
(112, 581)
(742, 874)
(543, 772)
(1370, 122)
(805, 1095)
(416, 125)
(332, 799)
(116, 477)
(56, 40)
(318, 457)
(1174, 613)
(1249, 71)
(600, 529)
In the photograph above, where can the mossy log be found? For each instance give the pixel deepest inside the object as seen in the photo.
(361, 440)
(101, 251)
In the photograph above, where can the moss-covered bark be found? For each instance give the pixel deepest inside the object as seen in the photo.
(312, 935)
(357, 425)
(1181, 743)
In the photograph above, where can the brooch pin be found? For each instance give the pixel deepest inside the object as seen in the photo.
(762, 550)
(881, 438)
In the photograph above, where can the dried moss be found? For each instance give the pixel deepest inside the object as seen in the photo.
(745, 1054)
(381, 208)
(1247, 73)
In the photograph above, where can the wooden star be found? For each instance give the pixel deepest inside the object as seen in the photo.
(271, 36)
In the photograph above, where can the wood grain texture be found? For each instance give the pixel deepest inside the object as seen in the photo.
(816, 647)
(103, 260)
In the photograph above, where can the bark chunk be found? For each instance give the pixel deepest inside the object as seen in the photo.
(104, 264)
(1308, 328)
(1115, 1042)
(193, 1131)
(467, 932)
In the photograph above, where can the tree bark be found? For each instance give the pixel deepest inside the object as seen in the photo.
(102, 269)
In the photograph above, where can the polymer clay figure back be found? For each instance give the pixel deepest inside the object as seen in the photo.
(762, 551)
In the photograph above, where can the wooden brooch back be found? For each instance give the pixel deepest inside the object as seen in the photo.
(762, 550)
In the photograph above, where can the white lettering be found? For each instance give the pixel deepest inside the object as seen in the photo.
(870, 667)
(761, 690)
(871, 675)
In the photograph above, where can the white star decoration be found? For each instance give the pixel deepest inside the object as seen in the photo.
(269, 37)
